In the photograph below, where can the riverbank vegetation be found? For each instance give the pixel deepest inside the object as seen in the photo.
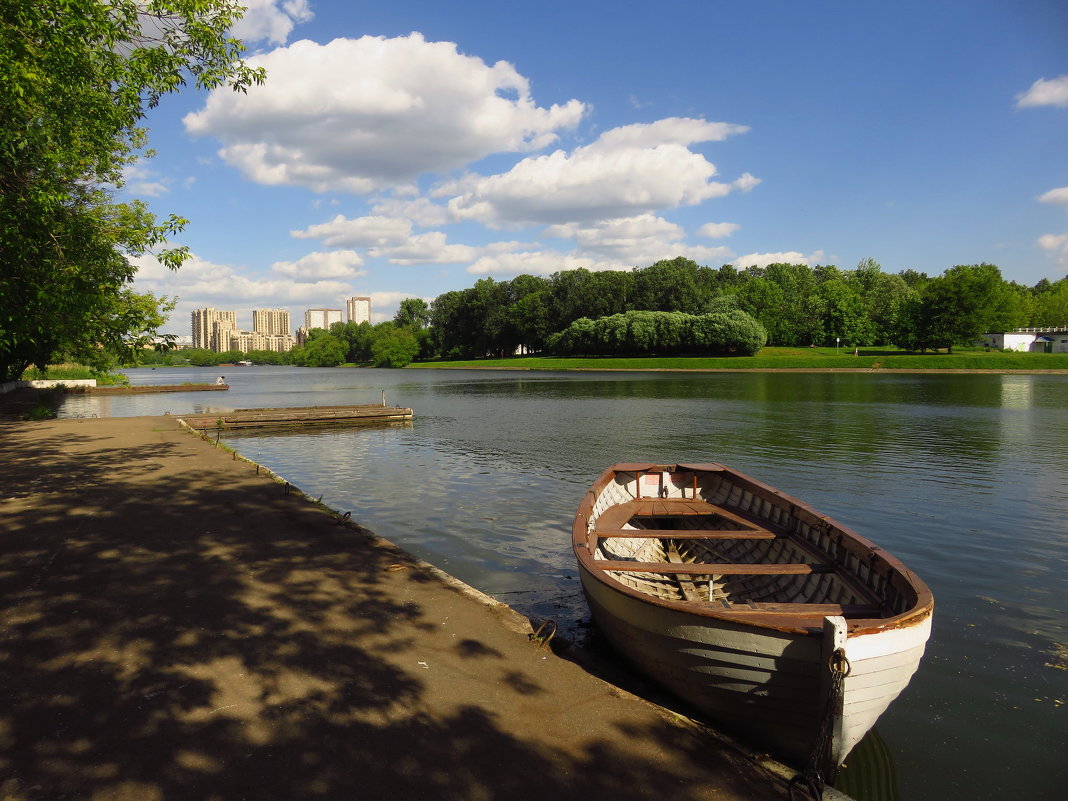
(797, 306)
(699, 317)
(74, 372)
(774, 358)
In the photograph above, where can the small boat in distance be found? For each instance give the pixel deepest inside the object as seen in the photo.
(768, 617)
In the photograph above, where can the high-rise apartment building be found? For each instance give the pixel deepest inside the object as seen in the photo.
(321, 318)
(359, 310)
(209, 327)
(271, 322)
(246, 341)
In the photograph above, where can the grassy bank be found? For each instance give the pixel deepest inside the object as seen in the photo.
(72, 372)
(783, 359)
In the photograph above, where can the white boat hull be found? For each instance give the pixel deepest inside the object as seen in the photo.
(766, 684)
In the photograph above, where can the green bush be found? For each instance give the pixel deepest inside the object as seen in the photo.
(662, 333)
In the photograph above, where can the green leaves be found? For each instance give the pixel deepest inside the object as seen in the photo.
(76, 78)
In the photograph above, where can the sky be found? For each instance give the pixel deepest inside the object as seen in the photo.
(410, 148)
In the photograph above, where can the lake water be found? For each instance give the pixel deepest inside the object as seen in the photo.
(963, 477)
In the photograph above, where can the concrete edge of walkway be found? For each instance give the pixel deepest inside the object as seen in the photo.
(520, 624)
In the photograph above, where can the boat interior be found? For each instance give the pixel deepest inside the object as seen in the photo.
(699, 537)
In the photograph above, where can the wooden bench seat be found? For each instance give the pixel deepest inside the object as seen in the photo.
(709, 568)
(686, 534)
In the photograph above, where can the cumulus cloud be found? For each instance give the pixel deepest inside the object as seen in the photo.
(628, 171)
(201, 283)
(142, 181)
(1053, 92)
(536, 262)
(370, 231)
(317, 266)
(1058, 197)
(1057, 245)
(357, 115)
(619, 237)
(428, 248)
(420, 210)
(271, 21)
(717, 230)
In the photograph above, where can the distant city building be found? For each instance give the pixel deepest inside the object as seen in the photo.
(359, 310)
(210, 327)
(271, 322)
(321, 318)
(302, 336)
(246, 341)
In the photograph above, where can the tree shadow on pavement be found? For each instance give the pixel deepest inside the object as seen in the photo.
(176, 628)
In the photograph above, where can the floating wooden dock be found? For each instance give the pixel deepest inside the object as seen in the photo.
(146, 389)
(300, 416)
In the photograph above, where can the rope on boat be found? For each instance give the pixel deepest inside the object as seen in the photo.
(822, 768)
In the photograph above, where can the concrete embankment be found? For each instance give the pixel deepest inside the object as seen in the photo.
(176, 624)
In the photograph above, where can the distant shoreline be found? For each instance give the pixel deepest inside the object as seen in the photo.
(869, 370)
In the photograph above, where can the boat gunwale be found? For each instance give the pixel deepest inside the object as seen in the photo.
(795, 619)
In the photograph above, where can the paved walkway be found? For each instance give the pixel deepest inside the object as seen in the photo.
(176, 627)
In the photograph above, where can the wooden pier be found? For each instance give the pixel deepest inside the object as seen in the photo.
(300, 416)
(146, 389)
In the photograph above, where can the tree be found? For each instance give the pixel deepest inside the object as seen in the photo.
(844, 316)
(966, 301)
(395, 348)
(1051, 305)
(414, 313)
(325, 350)
(76, 78)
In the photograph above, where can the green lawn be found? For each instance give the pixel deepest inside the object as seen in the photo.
(784, 358)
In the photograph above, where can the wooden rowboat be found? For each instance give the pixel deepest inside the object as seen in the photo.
(754, 608)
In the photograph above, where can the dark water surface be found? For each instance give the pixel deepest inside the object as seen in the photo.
(963, 477)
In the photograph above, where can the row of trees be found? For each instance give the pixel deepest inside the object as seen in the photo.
(707, 311)
(797, 305)
(394, 343)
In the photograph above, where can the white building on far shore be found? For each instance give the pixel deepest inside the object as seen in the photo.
(1053, 339)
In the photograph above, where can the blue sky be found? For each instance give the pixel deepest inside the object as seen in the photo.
(407, 149)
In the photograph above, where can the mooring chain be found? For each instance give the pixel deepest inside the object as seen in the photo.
(821, 769)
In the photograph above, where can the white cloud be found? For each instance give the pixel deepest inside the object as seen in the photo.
(1057, 244)
(1045, 93)
(717, 230)
(142, 181)
(428, 248)
(1058, 197)
(786, 257)
(370, 231)
(317, 266)
(745, 182)
(420, 211)
(632, 170)
(201, 283)
(270, 21)
(359, 114)
(634, 242)
(540, 262)
(619, 237)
